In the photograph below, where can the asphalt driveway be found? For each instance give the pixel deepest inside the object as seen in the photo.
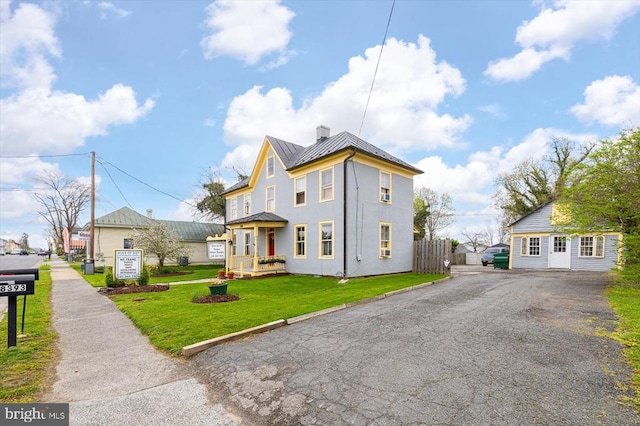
(497, 348)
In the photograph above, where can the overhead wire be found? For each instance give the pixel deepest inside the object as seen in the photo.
(384, 40)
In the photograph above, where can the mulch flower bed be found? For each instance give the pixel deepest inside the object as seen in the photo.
(215, 298)
(110, 291)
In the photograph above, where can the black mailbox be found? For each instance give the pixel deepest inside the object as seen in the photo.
(17, 285)
(13, 283)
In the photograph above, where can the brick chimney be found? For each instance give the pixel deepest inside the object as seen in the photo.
(322, 133)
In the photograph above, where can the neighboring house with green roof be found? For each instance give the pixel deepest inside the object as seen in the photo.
(340, 206)
(113, 231)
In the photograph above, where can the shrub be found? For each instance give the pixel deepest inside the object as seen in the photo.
(110, 281)
(144, 275)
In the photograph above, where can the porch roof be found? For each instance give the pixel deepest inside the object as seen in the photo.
(262, 218)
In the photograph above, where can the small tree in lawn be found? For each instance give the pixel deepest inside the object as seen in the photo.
(161, 241)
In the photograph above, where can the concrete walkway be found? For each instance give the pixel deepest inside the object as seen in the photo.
(110, 373)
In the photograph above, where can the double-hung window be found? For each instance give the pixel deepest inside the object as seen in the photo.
(385, 240)
(326, 240)
(247, 204)
(385, 187)
(301, 241)
(300, 191)
(270, 199)
(271, 165)
(591, 246)
(248, 244)
(326, 184)
(234, 208)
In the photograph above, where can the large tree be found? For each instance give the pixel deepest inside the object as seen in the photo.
(531, 184)
(161, 241)
(439, 208)
(420, 214)
(604, 194)
(212, 205)
(61, 200)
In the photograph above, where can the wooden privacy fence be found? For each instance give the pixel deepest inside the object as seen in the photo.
(430, 256)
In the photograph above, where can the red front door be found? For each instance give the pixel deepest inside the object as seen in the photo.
(271, 242)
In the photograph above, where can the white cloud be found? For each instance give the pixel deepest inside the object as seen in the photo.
(493, 109)
(612, 101)
(110, 9)
(474, 181)
(58, 122)
(248, 30)
(556, 30)
(27, 39)
(402, 114)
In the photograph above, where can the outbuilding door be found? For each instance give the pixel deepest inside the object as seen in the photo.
(559, 251)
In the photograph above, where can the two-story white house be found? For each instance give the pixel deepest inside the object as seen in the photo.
(339, 207)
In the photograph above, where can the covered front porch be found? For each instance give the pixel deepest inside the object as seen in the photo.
(253, 248)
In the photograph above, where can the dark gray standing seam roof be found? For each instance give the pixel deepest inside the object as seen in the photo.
(259, 217)
(294, 156)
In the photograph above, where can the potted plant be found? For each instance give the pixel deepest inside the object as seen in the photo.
(230, 275)
(218, 287)
(220, 273)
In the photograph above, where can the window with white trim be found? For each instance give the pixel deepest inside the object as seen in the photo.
(234, 208)
(326, 240)
(385, 187)
(385, 240)
(248, 244)
(300, 191)
(530, 246)
(591, 246)
(271, 166)
(300, 241)
(270, 198)
(326, 184)
(247, 205)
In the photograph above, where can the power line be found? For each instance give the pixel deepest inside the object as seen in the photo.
(44, 156)
(146, 184)
(115, 184)
(377, 65)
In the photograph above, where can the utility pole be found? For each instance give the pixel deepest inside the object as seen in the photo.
(93, 203)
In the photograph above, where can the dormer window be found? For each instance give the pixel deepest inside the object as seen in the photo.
(385, 187)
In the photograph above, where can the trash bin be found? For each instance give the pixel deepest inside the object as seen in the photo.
(184, 261)
(501, 261)
(89, 266)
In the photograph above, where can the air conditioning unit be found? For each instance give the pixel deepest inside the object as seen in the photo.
(385, 253)
(385, 197)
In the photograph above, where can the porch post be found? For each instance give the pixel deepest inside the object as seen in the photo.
(255, 247)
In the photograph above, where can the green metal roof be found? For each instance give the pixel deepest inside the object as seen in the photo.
(188, 231)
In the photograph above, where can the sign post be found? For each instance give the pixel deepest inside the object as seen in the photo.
(14, 283)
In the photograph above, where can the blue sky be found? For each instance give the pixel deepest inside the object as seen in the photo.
(166, 91)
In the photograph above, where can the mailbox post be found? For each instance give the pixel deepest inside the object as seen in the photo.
(14, 283)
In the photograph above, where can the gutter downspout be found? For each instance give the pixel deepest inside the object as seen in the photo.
(344, 211)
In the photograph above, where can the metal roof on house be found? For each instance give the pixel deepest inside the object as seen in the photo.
(187, 231)
(124, 218)
(258, 217)
(294, 156)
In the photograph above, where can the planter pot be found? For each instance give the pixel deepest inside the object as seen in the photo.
(220, 274)
(218, 289)
(230, 275)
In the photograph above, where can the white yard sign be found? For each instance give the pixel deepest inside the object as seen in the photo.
(216, 250)
(127, 264)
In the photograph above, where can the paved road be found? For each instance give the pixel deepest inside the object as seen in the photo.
(498, 348)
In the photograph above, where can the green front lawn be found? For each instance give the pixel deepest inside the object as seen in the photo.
(172, 321)
(23, 368)
(187, 273)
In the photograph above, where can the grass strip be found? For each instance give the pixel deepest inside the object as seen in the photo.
(23, 368)
(625, 301)
(187, 273)
(172, 321)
